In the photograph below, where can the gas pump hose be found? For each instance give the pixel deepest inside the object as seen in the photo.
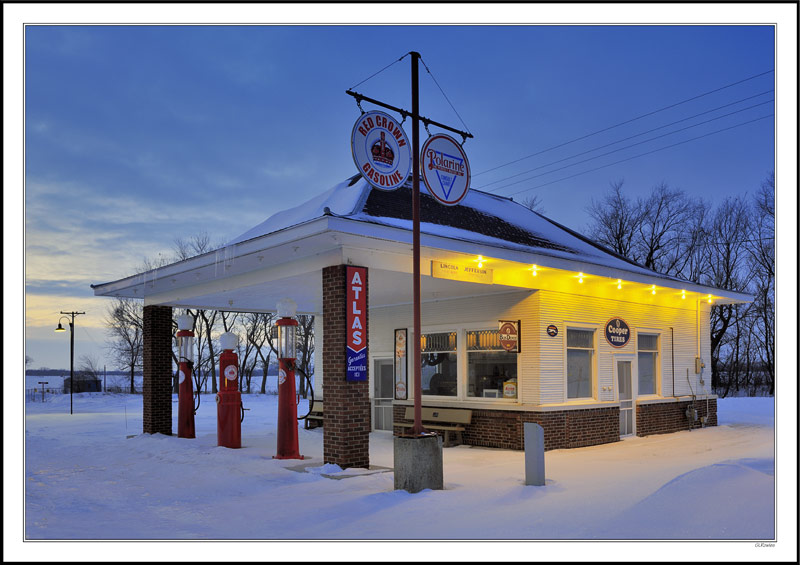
(311, 388)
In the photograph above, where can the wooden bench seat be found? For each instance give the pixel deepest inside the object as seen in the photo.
(316, 416)
(447, 420)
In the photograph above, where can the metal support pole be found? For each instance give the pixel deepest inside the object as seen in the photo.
(417, 429)
(71, 351)
(71, 360)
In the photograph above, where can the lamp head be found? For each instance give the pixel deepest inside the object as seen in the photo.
(287, 308)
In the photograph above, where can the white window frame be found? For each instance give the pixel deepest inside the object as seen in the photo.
(462, 363)
(595, 354)
(465, 373)
(657, 368)
(449, 328)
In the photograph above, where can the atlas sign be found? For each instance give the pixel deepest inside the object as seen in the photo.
(381, 150)
(445, 169)
(356, 323)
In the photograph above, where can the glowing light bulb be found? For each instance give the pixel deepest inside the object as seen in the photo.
(709, 299)
(619, 283)
(534, 270)
(683, 295)
(580, 278)
(653, 290)
(480, 261)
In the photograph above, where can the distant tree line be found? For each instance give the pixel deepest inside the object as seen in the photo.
(730, 246)
(257, 343)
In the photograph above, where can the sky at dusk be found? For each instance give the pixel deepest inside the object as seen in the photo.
(135, 135)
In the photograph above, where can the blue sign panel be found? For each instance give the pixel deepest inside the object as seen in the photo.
(617, 332)
(356, 324)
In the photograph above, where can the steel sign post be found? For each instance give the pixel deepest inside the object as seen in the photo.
(386, 182)
(417, 429)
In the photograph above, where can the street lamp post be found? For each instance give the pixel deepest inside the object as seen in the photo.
(60, 328)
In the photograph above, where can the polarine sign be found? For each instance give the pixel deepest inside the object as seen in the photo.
(381, 150)
(356, 323)
(445, 169)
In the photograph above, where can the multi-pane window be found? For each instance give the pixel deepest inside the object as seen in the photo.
(491, 370)
(580, 351)
(648, 357)
(439, 364)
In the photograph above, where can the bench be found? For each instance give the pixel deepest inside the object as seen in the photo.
(447, 420)
(315, 415)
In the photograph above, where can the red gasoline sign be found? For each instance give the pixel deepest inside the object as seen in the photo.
(381, 150)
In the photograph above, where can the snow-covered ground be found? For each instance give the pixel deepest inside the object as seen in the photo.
(93, 475)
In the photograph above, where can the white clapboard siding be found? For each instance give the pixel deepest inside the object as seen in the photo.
(564, 309)
(542, 362)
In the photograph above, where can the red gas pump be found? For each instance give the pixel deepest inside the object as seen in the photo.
(287, 399)
(229, 399)
(185, 362)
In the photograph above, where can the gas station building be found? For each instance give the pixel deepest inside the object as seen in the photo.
(603, 348)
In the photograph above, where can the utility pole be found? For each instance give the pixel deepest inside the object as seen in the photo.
(415, 116)
(71, 350)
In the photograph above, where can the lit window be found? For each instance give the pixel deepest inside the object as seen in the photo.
(492, 370)
(439, 364)
(580, 350)
(648, 357)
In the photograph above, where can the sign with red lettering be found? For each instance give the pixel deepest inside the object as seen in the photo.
(381, 150)
(445, 169)
(356, 323)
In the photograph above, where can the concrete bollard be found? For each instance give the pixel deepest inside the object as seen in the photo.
(534, 454)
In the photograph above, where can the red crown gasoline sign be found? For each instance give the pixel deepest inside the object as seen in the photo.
(381, 150)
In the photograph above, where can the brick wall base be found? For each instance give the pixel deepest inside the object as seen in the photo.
(668, 417)
(565, 429)
(157, 369)
(562, 429)
(347, 406)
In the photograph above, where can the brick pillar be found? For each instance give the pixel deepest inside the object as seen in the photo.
(347, 407)
(157, 387)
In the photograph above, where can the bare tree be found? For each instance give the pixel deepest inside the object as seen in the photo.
(255, 331)
(267, 320)
(534, 203)
(204, 320)
(664, 219)
(305, 348)
(124, 321)
(727, 255)
(28, 360)
(616, 221)
(761, 247)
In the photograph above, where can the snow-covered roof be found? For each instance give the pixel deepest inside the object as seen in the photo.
(482, 218)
